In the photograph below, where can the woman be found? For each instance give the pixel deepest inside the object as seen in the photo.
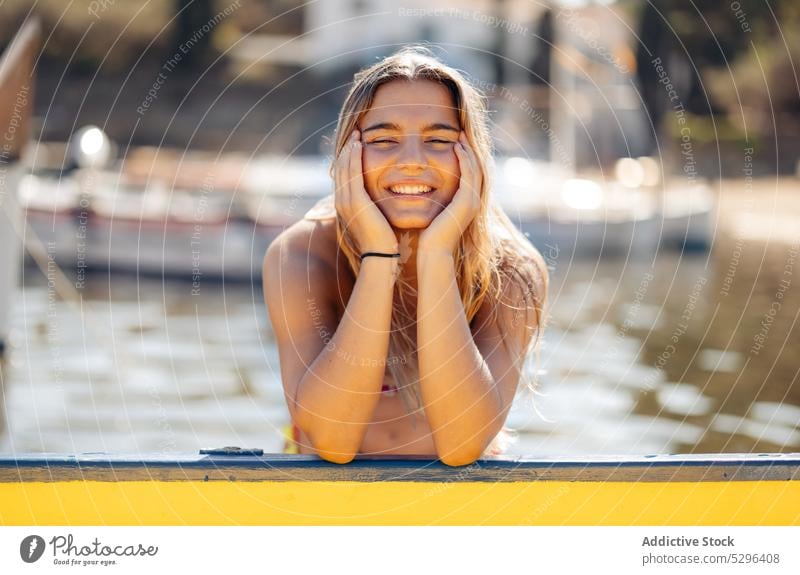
(405, 304)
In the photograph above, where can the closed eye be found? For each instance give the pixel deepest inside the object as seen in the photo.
(431, 141)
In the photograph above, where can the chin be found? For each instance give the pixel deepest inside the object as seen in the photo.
(414, 216)
(409, 223)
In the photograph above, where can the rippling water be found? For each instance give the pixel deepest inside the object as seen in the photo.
(678, 353)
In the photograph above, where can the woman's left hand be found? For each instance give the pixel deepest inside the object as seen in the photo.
(446, 229)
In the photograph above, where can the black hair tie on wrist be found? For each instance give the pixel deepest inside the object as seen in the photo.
(380, 255)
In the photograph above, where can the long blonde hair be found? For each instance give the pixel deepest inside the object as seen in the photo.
(491, 252)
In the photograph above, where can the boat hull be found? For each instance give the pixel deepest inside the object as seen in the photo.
(303, 490)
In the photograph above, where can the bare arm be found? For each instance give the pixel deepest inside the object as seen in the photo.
(469, 376)
(332, 383)
(461, 398)
(468, 381)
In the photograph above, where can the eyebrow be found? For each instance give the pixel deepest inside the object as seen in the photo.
(392, 126)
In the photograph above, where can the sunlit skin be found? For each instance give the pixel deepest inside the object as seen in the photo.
(410, 135)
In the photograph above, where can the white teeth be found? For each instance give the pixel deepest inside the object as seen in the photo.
(408, 189)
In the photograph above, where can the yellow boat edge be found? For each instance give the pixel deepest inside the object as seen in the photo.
(236, 487)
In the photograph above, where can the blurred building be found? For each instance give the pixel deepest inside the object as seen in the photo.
(488, 38)
(346, 33)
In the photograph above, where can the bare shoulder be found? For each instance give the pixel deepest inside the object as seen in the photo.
(306, 244)
(305, 263)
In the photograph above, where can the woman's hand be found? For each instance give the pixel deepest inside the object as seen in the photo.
(445, 231)
(360, 215)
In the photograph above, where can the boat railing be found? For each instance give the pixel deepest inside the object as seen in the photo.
(254, 465)
(248, 487)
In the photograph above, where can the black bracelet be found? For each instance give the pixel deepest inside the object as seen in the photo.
(379, 255)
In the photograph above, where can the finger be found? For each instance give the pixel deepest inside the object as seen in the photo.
(465, 164)
(467, 147)
(475, 174)
(356, 175)
(472, 159)
(337, 171)
(345, 182)
(342, 186)
(343, 155)
(470, 153)
(470, 178)
(462, 199)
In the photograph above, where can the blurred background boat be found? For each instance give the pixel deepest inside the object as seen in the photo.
(218, 215)
(626, 213)
(169, 221)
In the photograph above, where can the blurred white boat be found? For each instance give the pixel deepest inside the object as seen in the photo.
(101, 221)
(170, 224)
(196, 226)
(278, 190)
(605, 215)
(688, 214)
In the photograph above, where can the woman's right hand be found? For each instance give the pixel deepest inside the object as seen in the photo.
(360, 215)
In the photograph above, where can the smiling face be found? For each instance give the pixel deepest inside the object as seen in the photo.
(410, 167)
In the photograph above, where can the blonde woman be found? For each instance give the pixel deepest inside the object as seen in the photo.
(405, 304)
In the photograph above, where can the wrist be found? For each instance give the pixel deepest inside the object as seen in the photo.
(433, 244)
(434, 253)
(383, 249)
(380, 255)
(388, 266)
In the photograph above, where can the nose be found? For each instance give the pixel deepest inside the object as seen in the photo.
(411, 153)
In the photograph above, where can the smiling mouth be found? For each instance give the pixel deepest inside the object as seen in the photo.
(410, 190)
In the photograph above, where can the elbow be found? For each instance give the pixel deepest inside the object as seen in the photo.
(336, 456)
(459, 459)
(333, 449)
(330, 443)
(461, 456)
(459, 450)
